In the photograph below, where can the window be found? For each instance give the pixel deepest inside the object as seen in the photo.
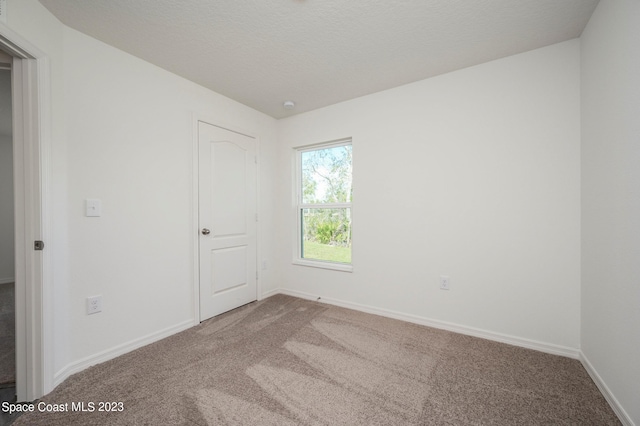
(323, 214)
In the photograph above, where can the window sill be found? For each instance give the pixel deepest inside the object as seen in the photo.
(324, 265)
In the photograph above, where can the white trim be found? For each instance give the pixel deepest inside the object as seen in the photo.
(7, 280)
(343, 267)
(46, 209)
(300, 206)
(327, 144)
(32, 148)
(116, 351)
(325, 206)
(443, 325)
(259, 215)
(624, 418)
(270, 293)
(195, 225)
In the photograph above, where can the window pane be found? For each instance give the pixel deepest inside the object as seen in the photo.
(326, 234)
(326, 175)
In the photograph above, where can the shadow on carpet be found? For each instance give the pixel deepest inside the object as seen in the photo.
(288, 361)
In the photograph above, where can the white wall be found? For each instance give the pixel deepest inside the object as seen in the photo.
(34, 23)
(131, 146)
(123, 134)
(474, 174)
(611, 199)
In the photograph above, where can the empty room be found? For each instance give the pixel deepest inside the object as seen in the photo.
(320, 212)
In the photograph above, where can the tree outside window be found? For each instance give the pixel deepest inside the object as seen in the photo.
(324, 203)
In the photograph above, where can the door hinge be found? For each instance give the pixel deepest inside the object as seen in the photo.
(256, 275)
(38, 245)
(255, 158)
(256, 217)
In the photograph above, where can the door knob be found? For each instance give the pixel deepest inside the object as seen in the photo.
(205, 231)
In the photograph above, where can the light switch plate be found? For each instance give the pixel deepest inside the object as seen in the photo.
(93, 207)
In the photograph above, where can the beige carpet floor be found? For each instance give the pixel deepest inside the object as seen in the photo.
(7, 334)
(287, 361)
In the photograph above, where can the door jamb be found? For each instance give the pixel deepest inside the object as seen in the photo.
(31, 144)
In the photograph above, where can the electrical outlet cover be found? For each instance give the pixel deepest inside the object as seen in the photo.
(445, 284)
(94, 304)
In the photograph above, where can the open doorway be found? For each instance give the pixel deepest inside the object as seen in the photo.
(7, 242)
(30, 107)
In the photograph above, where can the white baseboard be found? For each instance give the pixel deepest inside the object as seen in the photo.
(606, 392)
(108, 354)
(122, 349)
(624, 418)
(269, 293)
(443, 325)
(7, 280)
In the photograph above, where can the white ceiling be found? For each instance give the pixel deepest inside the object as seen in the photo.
(320, 52)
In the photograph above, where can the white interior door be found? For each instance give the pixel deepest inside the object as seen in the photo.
(227, 219)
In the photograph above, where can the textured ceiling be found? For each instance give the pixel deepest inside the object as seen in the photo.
(320, 52)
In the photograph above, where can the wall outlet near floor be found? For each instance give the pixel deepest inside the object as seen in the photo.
(444, 282)
(94, 304)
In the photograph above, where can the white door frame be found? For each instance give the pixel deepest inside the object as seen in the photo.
(195, 244)
(31, 159)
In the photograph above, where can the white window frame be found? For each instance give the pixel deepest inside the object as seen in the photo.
(300, 206)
